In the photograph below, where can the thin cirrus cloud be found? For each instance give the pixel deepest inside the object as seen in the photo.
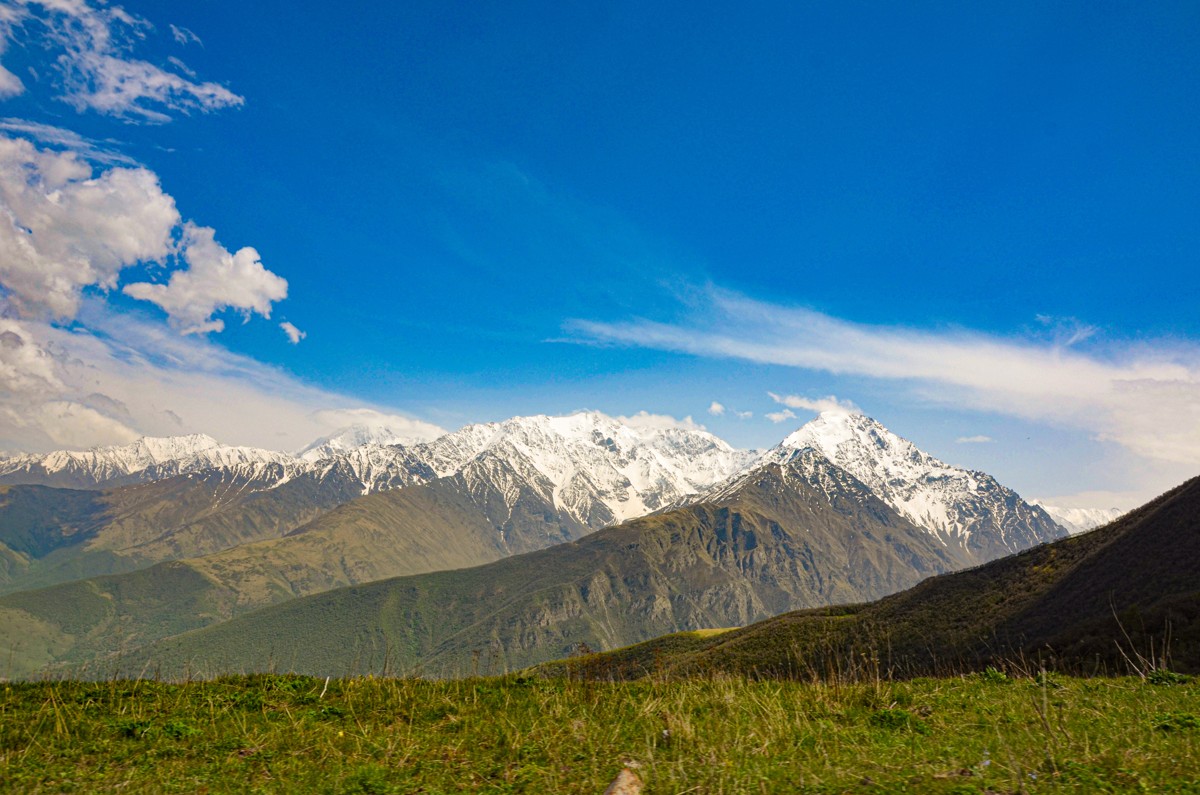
(979, 439)
(93, 64)
(1143, 397)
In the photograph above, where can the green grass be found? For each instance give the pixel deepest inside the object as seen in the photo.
(976, 734)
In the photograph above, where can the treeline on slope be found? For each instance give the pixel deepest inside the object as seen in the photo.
(1121, 599)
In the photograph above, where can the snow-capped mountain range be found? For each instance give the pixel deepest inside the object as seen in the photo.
(594, 468)
(147, 459)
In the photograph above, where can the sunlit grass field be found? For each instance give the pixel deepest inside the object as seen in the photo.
(976, 734)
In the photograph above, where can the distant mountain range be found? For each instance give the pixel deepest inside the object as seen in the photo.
(1080, 520)
(843, 510)
(737, 537)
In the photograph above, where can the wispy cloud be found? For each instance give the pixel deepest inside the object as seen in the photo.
(113, 377)
(818, 405)
(184, 36)
(716, 409)
(781, 416)
(980, 439)
(94, 151)
(91, 56)
(1143, 396)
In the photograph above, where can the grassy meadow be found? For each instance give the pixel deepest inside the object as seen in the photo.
(985, 733)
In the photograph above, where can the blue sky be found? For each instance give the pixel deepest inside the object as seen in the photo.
(968, 223)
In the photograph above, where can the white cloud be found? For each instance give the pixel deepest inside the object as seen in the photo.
(819, 405)
(26, 369)
(981, 439)
(716, 409)
(214, 280)
(405, 427)
(10, 85)
(91, 45)
(73, 425)
(294, 334)
(184, 36)
(658, 422)
(780, 416)
(1145, 396)
(112, 377)
(743, 415)
(63, 229)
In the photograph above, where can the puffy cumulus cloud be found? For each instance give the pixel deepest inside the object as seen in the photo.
(1144, 396)
(819, 405)
(716, 409)
(658, 422)
(91, 47)
(980, 439)
(214, 280)
(405, 427)
(781, 416)
(294, 334)
(63, 229)
(111, 378)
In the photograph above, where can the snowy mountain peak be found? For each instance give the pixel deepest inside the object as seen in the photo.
(959, 506)
(598, 468)
(854, 433)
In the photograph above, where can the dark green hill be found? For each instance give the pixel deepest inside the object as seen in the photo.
(1124, 596)
(799, 535)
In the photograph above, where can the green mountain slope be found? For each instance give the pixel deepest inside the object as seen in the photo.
(798, 535)
(1125, 595)
(447, 524)
(53, 535)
